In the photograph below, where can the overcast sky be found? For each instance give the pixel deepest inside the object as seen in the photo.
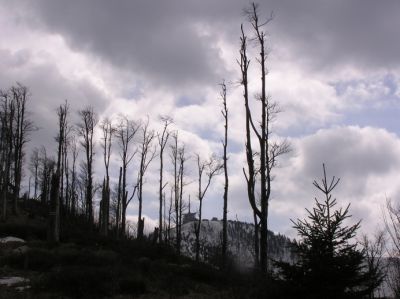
(333, 69)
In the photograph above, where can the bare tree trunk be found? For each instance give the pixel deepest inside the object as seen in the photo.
(118, 212)
(54, 216)
(212, 167)
(256, 241)
(125, 133)
(108, 131)
(8, 116)
(268, 151)
(86, 130)
(162, 141)
(23, 127)
(226, 185)
(74, 194)
(146, 156)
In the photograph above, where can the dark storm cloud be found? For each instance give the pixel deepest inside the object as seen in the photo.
(159, 39)
(334, 33)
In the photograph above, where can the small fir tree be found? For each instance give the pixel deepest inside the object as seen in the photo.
(329, 263)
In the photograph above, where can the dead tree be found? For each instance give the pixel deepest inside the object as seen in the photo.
(125, 133)
(168, 222)
(162, 142)
(108, 131)
(54, 215)
(46, 171)
(73, 187)
(374, 250)
(147, 154)
(7, 128)
(178, 159)
(224, 112)
(23, 126)
(181, 174)
(86, 131)
(269, 151)
(118, 205)
(34, 168)
(210, 168)
(391, 217)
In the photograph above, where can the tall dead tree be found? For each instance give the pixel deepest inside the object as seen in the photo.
(118, 204)
(86, 131)
(7, 147)
(54, 215)
(73, 188)
(268, 150)
(210, 168)
(162, 142)
(178, 159)
(147, 154)
(125, 133)
(108, 131)
(250, 176)
(34, 168)
(180, 205)
(224, 112)
(22, 128)
(46, 171)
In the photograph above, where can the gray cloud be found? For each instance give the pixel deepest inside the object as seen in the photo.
(48, 89)
(161, 41)
(157, 40)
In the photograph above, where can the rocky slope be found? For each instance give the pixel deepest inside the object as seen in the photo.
(240, 242)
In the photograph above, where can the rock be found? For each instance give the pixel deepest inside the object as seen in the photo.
(21, 250)
(22, 288)
(8, 244)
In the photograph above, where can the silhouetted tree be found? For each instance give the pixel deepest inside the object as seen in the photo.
(46, 170)
(269, 151)
(34, 168)
(374, 249)
(22, 128)
(74, 185)
(125, 132)
(54, 215)
(86, 131)
(211, 167)
(147, 154)
(224, 112)
(7, 147)
(391, 218)
(15, 129)
(162, 142)
(108, 131)
(178, 159)
(329, 264)
(118, 203)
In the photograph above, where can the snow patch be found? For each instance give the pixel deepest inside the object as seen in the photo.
(10, 281)
(11, 239)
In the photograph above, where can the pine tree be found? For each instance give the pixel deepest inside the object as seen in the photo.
(329, 265)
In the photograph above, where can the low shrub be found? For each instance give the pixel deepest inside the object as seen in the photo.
(78, 282)
(133, 285)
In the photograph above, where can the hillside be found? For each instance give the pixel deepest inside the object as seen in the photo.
(240, 242)
(87, 265)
